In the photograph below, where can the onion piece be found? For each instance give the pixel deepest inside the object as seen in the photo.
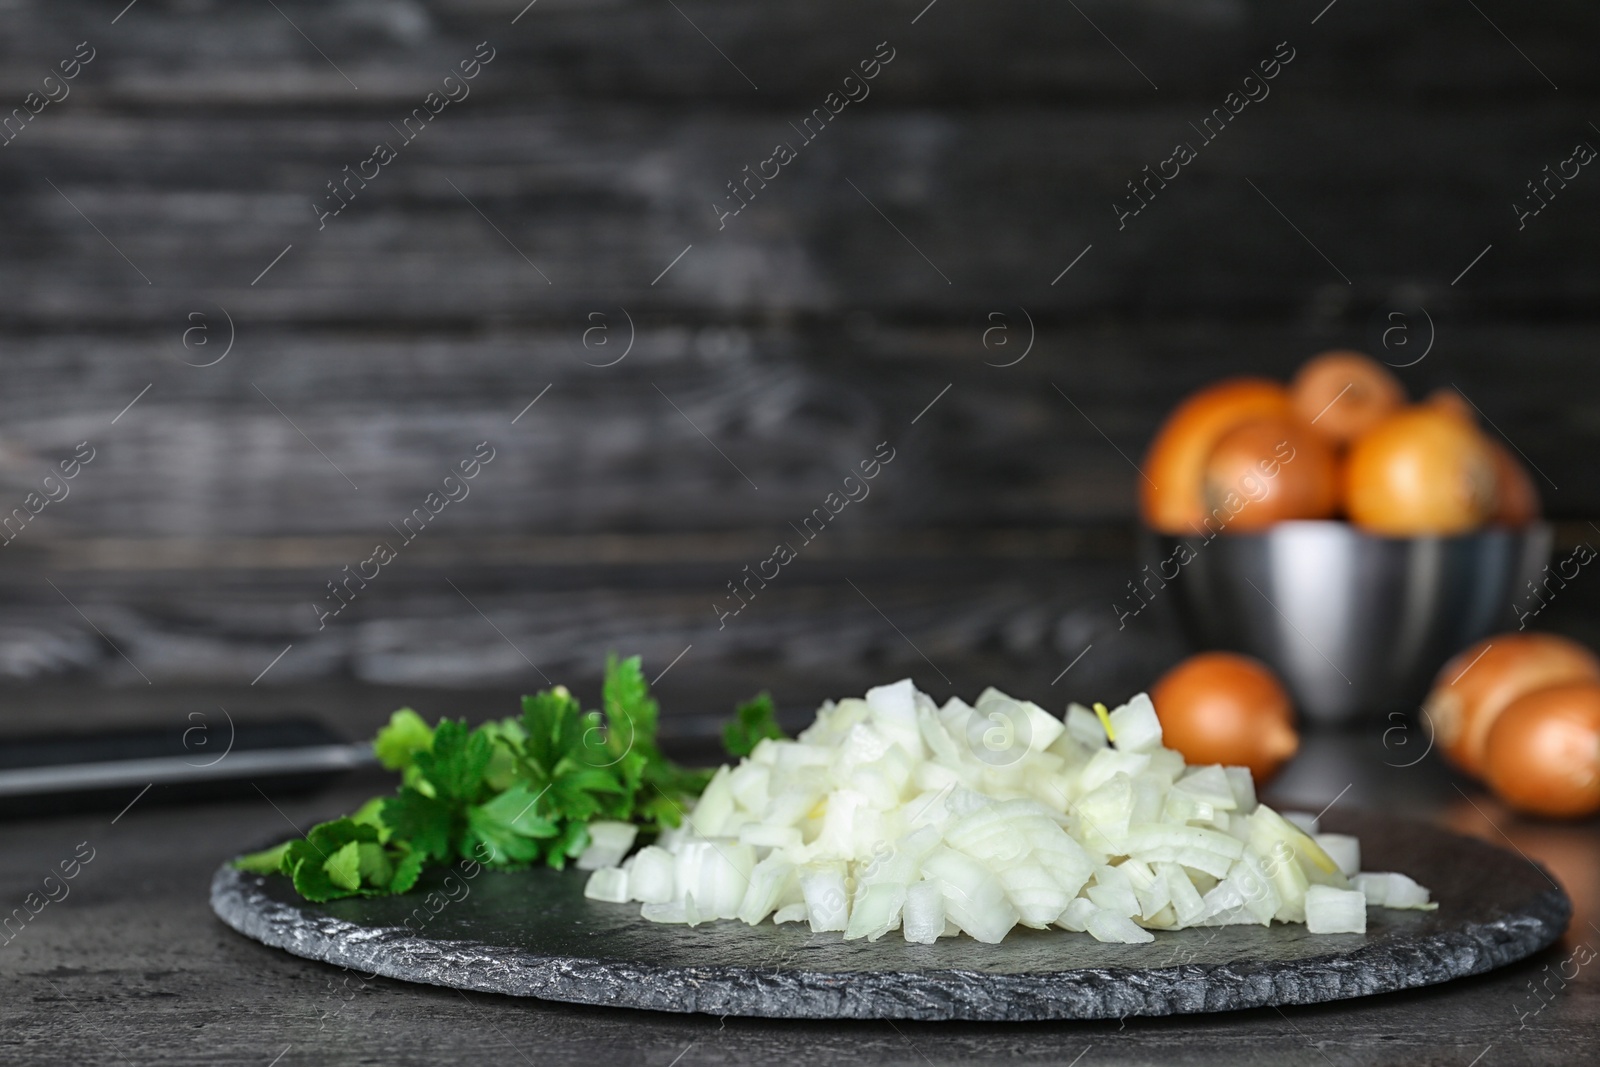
(1389, 890)
(876, 911)
(973, 897)
(922, 920)
(1335, 911)
(827, 905)
(1307, 823)
(1136, 727)
(608, 843)
(1343, 849)
(650, 875)
(1084, 727)
(1108, 926)
(609, 884)
(769, 881)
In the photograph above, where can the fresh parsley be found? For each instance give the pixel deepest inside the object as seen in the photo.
(753, 721)
(508, 793)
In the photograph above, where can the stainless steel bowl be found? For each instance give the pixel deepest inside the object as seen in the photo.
(1356, 625)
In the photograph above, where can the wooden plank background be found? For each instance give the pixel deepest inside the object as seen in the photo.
(522, 242)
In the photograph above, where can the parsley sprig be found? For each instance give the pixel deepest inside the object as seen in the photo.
(753, 721)
(508, 793)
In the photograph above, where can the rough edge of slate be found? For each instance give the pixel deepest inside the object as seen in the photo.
(241, 901)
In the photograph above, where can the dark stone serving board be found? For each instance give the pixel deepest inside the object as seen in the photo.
(532, 933)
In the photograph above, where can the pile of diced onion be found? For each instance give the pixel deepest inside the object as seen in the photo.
(893, 813)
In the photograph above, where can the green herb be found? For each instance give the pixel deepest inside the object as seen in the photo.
(508, 793)
(754, 720)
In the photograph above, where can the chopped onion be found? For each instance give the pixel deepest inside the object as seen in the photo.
(1135, 725)
(1307, 823)
(1109, 926)
(1244, 788)
(923, 917)
(1084, 727)
(608, 843)
(1113, 891)
(609, 884)
(1185, 898)
(650, 876)
(827, 906)
(891, 812)
(771, 881)
(876, 911)
(1343, 849)
(675, 912)
(1389, 890)
(1335, 911)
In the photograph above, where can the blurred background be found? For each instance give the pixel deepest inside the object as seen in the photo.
(277, 340)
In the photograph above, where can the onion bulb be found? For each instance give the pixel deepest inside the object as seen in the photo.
(1270, 469)
(1342, 394)
(1543, 754)
(1221, 707)
(1516, 498)
(1481, 681)
(1171, 493)
(1420, 471)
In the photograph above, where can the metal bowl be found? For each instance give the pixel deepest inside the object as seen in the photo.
(1355, 624)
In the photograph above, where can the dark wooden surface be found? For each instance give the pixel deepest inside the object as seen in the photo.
(131, 967)
(458, 284)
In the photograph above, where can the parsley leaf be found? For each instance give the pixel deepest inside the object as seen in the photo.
(267, 861)
(398, 743)
(407, 871)
(753, 721)
(456, 764)
(373, 865)
(551, 720)
(570, 845)
(509, 828)
(425, 823)
(326, 863)
(343, 868)
(627, 699)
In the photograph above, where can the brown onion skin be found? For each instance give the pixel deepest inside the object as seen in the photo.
(1221, 707)
(1516, 498)
(1543, 755)
(1422, 471)
(1345, 393)
(1171, 492)
(1270, 469)
(1481, 681)
(1452, 402)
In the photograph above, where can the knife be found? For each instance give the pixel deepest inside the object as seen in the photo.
(107, 770)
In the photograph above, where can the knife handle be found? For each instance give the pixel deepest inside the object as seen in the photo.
(203, 760)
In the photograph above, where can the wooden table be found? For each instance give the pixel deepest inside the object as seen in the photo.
(132, 968)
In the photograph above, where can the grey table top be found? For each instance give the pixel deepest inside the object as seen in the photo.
(131, 967)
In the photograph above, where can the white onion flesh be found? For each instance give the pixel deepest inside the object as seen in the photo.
(609, 884)
(923, 918)
(608, 843)
(1335, 911)
(1343, 849)
(1390, 890)
(892, 813)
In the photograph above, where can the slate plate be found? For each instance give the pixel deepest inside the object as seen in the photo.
(532, 933)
